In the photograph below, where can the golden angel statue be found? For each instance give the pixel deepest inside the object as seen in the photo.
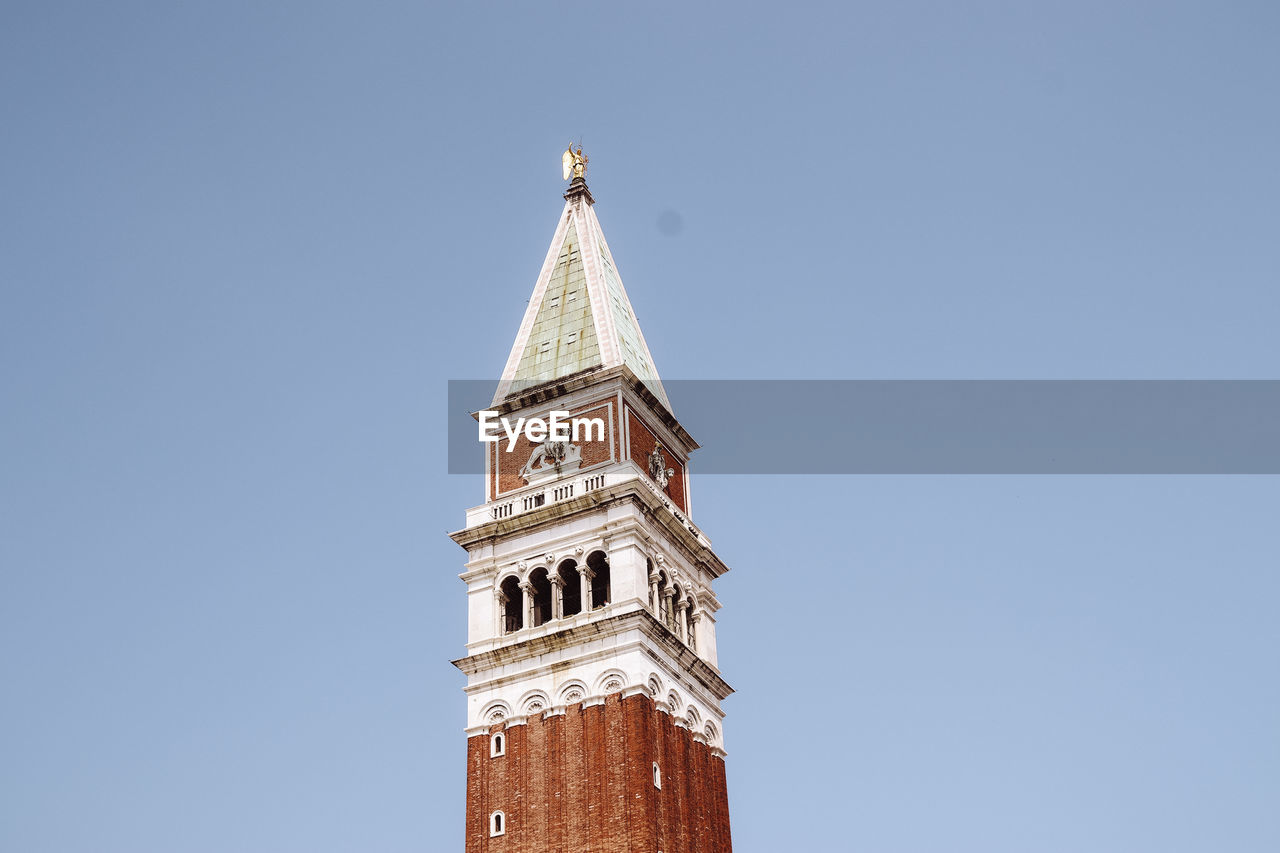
(574, 163)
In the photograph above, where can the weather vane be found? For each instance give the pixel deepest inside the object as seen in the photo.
(574, 163)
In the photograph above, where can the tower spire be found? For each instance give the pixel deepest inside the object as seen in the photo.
(579, 317)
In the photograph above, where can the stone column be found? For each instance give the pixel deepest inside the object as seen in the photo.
(585, 574)
(653, 592)
(526, 589)
(681, 629)
(557, 595)
(501, 599)
(670, 620)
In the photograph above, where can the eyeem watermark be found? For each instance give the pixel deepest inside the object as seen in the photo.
(1219, 426)
(559, 427)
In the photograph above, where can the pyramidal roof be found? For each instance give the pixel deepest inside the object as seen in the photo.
(579, 317)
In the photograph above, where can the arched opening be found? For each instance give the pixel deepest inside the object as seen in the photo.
(674, 614)
(599, 565)
(497, 745)
(541, 584)
(512, 605)
(497, 824)
(571, 603)
(657, 776)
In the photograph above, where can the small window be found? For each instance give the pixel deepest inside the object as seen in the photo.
(657, 775)
(546, 346)
(497, 824)
(497, 745)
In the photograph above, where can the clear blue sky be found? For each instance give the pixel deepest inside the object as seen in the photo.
(243, 246)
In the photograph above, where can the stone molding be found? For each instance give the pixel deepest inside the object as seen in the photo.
(650, 627)
(696, 548)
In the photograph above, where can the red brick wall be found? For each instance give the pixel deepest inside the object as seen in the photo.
(583, 781)
(504, 467)
(642, 441)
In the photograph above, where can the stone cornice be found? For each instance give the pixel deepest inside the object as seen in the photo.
(653, 630)
(633, 490)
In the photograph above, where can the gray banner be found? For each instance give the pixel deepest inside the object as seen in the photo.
(953, 427)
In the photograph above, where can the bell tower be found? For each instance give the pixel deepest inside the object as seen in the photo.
(593, 697)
